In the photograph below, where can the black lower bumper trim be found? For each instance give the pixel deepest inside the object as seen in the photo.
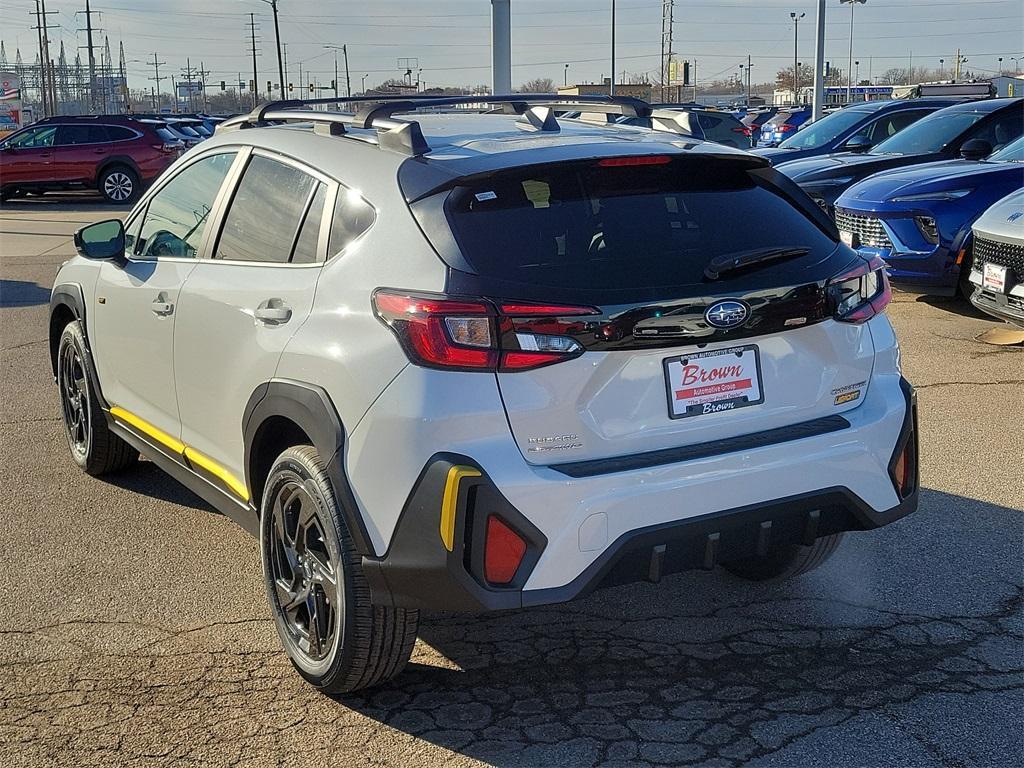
(812, 428)
(1004, 307)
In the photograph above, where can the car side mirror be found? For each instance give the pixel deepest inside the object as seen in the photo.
(975, 149)
(102, 241)
(859, 143)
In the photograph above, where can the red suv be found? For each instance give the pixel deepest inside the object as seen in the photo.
(117, 155)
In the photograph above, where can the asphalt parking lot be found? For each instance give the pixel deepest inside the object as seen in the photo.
(134, 630)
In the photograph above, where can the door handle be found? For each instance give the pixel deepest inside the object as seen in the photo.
(273, 312)
(162, 308)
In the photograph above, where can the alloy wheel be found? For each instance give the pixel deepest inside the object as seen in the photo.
(304, 575)
(118, 186)
(74, 398)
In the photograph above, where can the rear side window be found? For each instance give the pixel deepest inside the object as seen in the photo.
(588, 226)
(265, 213)
(166, 135)
(306, 250)
(120, 133)
(352, 216)
(68, 135)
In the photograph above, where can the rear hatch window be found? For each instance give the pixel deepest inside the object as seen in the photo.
(634, 230)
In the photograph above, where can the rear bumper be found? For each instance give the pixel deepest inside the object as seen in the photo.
(419, 571)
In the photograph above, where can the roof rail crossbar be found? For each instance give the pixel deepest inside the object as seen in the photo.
(376, 112)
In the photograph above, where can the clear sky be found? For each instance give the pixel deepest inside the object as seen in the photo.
(450, 38)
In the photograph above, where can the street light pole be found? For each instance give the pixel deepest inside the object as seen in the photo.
(565, 77)
(817, 104)
(362, 87)
(849, 72)
(796, 64)
(611, 87)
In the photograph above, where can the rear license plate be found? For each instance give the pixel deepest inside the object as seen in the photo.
(994, 278)
(849, 238)
(713, 381)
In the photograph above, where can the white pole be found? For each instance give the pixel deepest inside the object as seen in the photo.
(611, 87)
(819, 63)
(501, 47)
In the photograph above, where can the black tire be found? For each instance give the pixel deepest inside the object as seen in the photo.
(334, 636)
(93, 446)
(785, 562)
(119, 184)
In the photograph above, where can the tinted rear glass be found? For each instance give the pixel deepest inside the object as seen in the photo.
(929, 134)
(631, 227)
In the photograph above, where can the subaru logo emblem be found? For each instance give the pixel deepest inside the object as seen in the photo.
(727, 314)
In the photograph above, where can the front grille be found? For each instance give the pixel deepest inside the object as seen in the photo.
(1005, 254)
(869, 230)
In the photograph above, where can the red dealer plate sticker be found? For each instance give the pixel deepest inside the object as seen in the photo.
(713, 381)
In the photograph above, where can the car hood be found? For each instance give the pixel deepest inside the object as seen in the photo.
(945, 175)
(843, 164)
(1005, 219)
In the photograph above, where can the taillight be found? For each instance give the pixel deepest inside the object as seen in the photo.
(478, 334)
(613, 162)
(740, 129)
(503, 551)
(861, 293)
(167, 147)
(785, 128)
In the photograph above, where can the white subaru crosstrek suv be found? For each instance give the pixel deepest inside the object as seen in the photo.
(480, 361)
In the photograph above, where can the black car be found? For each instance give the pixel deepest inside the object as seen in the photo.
(854, 129)
(972, 130)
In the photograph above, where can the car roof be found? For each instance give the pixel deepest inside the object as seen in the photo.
(983, 105)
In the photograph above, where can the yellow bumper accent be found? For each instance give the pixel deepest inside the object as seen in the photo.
(143, 426)
(205, 462)
(450, 501)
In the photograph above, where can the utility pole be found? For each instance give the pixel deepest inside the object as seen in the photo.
(796, 64)
(255, 76)
(285, 47)
(43, 97)
(277, 38)
(611, 85)
(693, 74)
(819, 62)
(335, 73)
(156, 78)
(348, 79)
(203, 74)
(92, 53)
(189, 79)
(959, 60)
(749, 65)
(667, 9)
(47, 64)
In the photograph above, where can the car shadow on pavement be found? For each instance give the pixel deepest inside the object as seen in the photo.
(147, 479)
(957, 305)
(867, 661)
(21, 293)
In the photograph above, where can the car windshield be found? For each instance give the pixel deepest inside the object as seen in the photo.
(929, 134)
(1011, 153)
(824, 130)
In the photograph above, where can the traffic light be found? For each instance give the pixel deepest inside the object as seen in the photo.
(223, 85)
(270, 87)
(310, 87)
(333, 85)
(291, 87)
(686, 73)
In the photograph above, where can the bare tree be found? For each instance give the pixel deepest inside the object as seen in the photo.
(538, 85)
(893, 76)
(805, 77)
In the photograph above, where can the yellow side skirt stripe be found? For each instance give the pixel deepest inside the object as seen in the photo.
(177, 447)
(450, 500)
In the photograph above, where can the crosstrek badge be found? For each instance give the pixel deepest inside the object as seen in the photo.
(712, 382)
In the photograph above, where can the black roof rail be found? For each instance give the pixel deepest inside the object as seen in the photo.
(405, 136)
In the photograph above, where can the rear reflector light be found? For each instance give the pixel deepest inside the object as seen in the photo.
(785, 128)
(503, 552)
(478, 334)
(904, 469)
(614, 162)
(861, 293)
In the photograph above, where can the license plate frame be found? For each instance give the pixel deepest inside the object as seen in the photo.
(993, 278)
(849, 238)
(746, 386)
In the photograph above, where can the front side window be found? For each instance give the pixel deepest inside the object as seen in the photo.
(33, 138)
(176, 217)
(929, 134)
(265, 213)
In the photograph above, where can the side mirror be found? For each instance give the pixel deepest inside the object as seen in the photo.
(103, 241)
(975, 149)
(858, 143)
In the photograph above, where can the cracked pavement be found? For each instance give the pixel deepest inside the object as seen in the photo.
(133, 629)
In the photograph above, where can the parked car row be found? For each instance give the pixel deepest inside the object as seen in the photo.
(119, 155)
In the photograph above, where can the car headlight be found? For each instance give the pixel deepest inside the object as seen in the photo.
(953, 194)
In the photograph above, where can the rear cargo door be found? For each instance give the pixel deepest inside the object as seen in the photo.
(670, 357)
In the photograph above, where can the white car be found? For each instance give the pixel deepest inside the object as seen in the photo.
(484, 361)
(997, 271)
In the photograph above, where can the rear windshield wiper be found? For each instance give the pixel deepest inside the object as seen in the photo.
(729, 262)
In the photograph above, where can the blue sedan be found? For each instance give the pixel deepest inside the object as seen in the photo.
(919, 219)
